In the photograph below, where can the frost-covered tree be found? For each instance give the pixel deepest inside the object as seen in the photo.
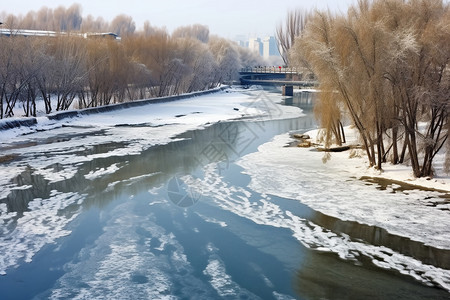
(249, 58)
(227, 59)
(196, 31)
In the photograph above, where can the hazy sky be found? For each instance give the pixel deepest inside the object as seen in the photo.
(225, 18)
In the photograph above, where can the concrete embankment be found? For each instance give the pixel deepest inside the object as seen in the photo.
(6, 124)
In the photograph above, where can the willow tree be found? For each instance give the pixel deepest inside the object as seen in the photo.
(387, 62)
(419, 76)
(319, 46)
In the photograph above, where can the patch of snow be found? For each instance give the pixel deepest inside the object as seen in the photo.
(222, 282)
(400, 172)
(212, 220)
(102, 172)
(279, 296)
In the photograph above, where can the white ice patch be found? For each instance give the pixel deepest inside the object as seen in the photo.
(212, 220)
(7, 174)
(165, 240)
(279, 296)
(136, 178)
(222, 282)
(263, 212)
(157, 202)
(102, 172)
(42, 224)
(53, 176)
(6, 218)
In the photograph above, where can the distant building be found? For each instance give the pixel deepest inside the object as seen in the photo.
(270, 47)
(266, 47)
(242, 41)
(255, 45)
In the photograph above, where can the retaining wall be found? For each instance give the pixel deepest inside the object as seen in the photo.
(6, 124)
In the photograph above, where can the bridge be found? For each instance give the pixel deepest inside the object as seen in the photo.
(278, 76)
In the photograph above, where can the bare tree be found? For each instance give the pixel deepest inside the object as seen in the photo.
(227, 58)
(8, 70)
(69, 71)
(123, 25)
(99, 70)
(44, 18)
(294, 25)
(91, 24)
(196, 31)
(249, 58)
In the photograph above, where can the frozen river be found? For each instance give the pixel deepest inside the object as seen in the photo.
(134, 207)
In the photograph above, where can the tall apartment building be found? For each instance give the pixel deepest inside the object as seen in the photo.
(269, 47)
(255, 45)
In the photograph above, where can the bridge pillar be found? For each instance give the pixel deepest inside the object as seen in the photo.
(287, 90)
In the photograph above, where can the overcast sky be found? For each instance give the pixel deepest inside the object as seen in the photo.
(225, 18)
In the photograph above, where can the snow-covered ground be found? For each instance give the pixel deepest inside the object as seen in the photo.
(402, 173)
(191, 113)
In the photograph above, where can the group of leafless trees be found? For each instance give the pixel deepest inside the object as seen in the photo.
(385, 66)
(68, 69)
(69, 19)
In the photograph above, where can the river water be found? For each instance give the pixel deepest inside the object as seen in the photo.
(133, 227)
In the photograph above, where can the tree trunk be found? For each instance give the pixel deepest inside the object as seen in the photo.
(394, 145)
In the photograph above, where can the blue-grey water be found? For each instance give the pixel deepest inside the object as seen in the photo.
(141, 231)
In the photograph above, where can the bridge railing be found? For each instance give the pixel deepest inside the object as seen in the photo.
(273, 69)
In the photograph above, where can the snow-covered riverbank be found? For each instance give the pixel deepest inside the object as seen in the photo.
(190, 110)
(358, 164)
(334, 189)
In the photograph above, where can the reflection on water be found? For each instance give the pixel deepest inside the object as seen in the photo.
(222, 142)
(399, 186)
(322, 276)
(380, 237)
(125, 203)
(303, 99)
